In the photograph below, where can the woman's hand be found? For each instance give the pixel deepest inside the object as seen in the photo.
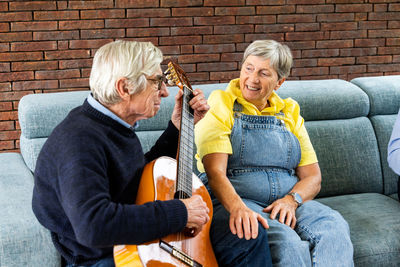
(286, 208)
(244, 222)
(198, 103)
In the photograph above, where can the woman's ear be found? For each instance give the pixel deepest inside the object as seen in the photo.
(121, 86)
(279, 83)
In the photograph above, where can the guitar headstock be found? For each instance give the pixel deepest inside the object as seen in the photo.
(177, 76)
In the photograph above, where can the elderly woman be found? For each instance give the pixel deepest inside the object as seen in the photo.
(262, 169)
(88, 171)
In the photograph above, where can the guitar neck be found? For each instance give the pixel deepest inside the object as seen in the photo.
(186, 144)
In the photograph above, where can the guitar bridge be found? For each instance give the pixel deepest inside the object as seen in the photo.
(179, 254)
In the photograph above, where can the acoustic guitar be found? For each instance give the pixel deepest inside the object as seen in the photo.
(164, 179)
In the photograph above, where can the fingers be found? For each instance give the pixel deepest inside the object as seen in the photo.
(197, 212)
(287, 214)
(244, 223)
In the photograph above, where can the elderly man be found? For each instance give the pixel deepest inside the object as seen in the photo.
(88, 171)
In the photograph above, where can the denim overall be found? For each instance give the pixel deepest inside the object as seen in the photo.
(262, 170)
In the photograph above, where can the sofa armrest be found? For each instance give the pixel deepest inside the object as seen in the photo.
(23, 241)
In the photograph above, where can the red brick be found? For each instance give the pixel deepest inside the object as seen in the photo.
(360, 16)
(232, 57)
(248, 38)
(353, 8)
(393, 41)
(220, 39)
(393, 24)
(374, 60)
(303, 36)
(348, 34)
(369, 42)
(21, 56)
(340, 61)
(226, 11)
(255, 19)
(186, 49)
(103, 14)
(9, 135)
(171, 22)
(310, 70)
(4, 6)
(358, 52)
(135, 3)
(62, 5)
(75, 63)
(33, 5)
(57, 74)
(275, 28)
(30, 85)
(15, 16)
(315, 9)
(191, 30)
(383, 16)
(5, 106)
(198, 76)
(38, 65)
(68, 54)
(198, 58)
(14, 95)
(180, 3)
(56, 35)
(216, 20)
(335, 44)
(4, 67)
(192, 11)
(86, 72)
(73, 83)
(6, 145)
(372, 25)
(380, 7)
(55, 15)
(15, 36)
(179, 40)
(335, 17)
(274, 10)
(170, 50)
(296, 18)
(305, 2)
(148, 13)
(62, 45)
(5, 87)
(396, 58)
(301, 45)
(126, 23)
(348, 69)
(224, 76)
(90, 4)
(153, 40)
(224, 2)
(217, 48)
(4, 47)
(143, 32)
(4, 27)
(345, 1)
(265, 3)
(101, 33)
(339, 26)
(232, 29)
(388, 50)
(16, 76)
(34, 46)
(384, 33)
(300, 63)
(383, 67)
(8, 115)
(394, 7)
(6, 125)
(217, 66)
(80, 24)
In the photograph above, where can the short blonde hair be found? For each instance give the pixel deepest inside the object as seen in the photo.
(122, 59)
(280, 57)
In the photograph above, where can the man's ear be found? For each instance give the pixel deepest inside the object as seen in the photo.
(279, 83)
(121, 86)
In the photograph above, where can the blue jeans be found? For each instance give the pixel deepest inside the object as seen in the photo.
(107, 262)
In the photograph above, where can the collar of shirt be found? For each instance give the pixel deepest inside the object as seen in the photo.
(99, 107)
(276, 104)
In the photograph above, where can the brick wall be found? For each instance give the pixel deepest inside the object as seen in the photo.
(47, 46)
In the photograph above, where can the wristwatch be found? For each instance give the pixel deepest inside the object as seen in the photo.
(297, 198)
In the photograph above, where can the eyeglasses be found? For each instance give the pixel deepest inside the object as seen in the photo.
(159, 79)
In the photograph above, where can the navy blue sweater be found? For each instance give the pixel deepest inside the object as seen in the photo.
(86, 179)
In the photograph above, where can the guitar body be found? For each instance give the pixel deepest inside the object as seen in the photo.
(158, 183)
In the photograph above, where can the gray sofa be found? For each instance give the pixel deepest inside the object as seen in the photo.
(349, 124)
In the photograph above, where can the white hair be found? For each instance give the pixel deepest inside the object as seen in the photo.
(122, 59)
(280, 57)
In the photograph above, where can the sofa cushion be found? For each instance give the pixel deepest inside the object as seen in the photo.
(383, 91)
(344, 147)
(23, 241)
(326, 99)
(383, 125)
(374, 227)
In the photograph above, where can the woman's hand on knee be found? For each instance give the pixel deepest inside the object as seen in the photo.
(243, 222)
(286, 210)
